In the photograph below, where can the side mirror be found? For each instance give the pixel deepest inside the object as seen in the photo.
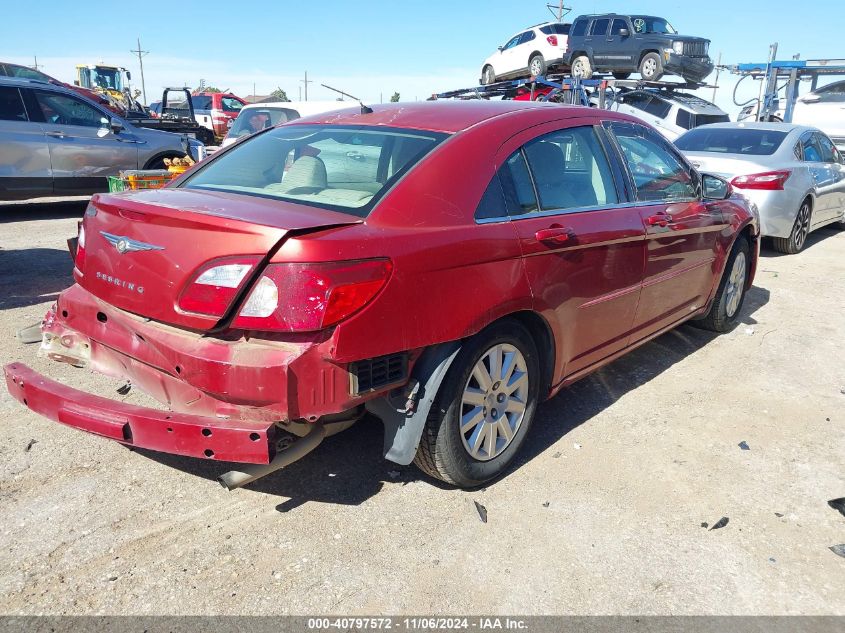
(501, 48)
(811, 99)
(624, 32)
(715, 187)
(129, 75)
(75, 82)
(116, 126)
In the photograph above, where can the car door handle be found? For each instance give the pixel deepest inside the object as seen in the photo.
(659, 219)
(56, 134)
(555, 234)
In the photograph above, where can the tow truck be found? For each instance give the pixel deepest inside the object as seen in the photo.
(177, 115)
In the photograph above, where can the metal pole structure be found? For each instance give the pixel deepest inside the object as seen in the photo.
(716, 83)
(140, 55)
(762, 109)
(306, 81)
(36, 66)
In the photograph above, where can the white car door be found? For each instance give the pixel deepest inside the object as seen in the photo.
(510, 57)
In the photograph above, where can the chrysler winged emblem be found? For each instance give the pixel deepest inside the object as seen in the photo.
(125, 244)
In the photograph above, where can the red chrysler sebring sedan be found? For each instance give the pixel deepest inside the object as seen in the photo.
(444, 266)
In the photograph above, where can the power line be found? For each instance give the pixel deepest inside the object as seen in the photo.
(141, 55)
(559, 10)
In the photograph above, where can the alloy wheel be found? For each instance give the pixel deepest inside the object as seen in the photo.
(493, 402)
(649, 68)
(536, 67)
(736, 285)
(802, 226)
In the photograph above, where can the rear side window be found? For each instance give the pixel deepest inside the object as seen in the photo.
(684, 119)
(707, 119)
(658, 107)
(492, 205)
(657, 172)
(11, 105)
(600, 27)
(201, 103)
(555, 29)
(570, 170)
(517, 185)
(579, 27)
(812, 152)
(527, 37)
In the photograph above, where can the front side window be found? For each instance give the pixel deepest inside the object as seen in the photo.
(513, 42)
(231, 105)
(342, 168)
(649, 24)
(61, 109)
(617, 26)
(657, 172)
(11, 105)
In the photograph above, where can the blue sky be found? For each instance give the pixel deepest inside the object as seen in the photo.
(370, 48)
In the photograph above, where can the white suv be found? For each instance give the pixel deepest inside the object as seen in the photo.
(528, 53)
(671, 112)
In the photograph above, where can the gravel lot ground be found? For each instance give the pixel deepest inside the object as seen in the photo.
(602, 515)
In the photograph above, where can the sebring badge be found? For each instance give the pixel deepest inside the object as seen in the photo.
(125, 244)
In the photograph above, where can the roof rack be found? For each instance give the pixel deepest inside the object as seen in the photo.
(560, 88)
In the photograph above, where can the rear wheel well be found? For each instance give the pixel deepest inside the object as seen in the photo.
(158, 158)
(578, 54)
(542, 335)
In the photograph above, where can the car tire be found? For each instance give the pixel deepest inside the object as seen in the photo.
(581, 67)
(488, 76)
(651, 67)
(727, 304)
(464, 458)
(537, 66)
(800, 230)
(621, 75)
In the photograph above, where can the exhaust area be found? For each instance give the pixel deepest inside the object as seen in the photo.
(250, 472)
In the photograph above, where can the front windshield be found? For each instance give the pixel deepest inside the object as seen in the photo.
(335, 167)
(254, 120)
(649, 24)
(106, 78)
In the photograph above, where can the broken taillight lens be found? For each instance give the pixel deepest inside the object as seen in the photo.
(216, 284)
(297, 297)
(79, 261)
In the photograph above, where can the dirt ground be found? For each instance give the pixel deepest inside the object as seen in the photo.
(602, 514)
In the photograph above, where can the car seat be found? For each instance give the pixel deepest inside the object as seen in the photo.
(306, 175)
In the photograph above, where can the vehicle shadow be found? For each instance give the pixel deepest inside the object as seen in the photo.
(813, 238)
(348, 468)
(27, 212)
(33, 275)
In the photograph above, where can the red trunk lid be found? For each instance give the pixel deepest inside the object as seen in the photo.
(143, 248)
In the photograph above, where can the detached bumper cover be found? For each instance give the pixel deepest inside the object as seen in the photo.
(170, 432)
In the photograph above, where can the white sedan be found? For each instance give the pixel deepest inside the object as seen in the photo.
(793, 173)
(528, 53)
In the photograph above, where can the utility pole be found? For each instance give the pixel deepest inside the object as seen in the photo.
(36, 66)
(140, 55)
(716, 83)
(559, 11)
(306, 82)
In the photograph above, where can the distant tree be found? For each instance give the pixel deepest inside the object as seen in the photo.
(212, 89)
(279, 95)
(394, 98)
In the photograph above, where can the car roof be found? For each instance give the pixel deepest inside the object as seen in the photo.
(693, 103)
(438, 116)
(619, 15)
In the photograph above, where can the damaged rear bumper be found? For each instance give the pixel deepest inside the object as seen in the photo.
(170, 432)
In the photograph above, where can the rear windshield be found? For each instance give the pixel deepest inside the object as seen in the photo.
(555, 29)
(731, 141)
(335, 167)
(254, 120)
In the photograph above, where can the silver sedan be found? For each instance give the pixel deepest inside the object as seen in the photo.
(793, 173)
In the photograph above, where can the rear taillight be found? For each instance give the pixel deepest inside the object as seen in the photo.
(216, 284)
(552, 39)
(79, 261)
(767, 180)
(309, 297)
